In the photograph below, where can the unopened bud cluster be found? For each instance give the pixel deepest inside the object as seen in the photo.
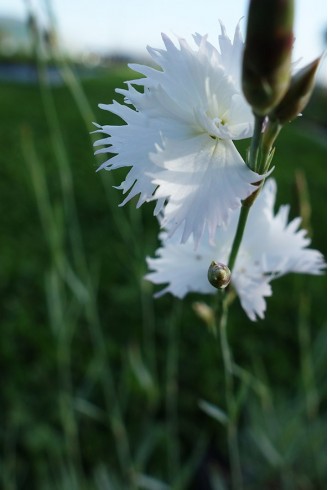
(266, 76)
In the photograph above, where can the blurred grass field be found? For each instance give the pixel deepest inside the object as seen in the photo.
(101, 383)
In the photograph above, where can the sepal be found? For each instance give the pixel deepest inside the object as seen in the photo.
(297, 95)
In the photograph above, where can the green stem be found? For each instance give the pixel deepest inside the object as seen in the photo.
(267, 142)
(255, 143)
(238, 236)
(253, 162)
(259, 158)
(235, 467)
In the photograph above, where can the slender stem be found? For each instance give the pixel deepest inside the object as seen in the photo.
(253, 162)
(235, 467)
(259, 158)
(238, 236)
(255, 143)
(267, 142)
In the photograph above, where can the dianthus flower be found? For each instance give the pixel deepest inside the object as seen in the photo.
(179, 131)
(270, 248)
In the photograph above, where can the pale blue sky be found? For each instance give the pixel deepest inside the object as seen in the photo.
(112, 25)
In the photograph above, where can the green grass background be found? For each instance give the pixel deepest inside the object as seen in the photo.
(100, 383)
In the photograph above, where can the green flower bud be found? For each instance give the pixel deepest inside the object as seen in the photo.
(267, 55)
(297, 96)
(219, 275)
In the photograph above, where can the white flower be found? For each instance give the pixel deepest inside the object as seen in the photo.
(178, 136)
(271, 247)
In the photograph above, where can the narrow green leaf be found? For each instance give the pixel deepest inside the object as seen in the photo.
(213, 411)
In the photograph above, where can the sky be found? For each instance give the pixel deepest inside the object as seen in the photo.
(131, 25)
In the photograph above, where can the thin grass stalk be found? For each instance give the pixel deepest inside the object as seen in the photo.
(113, 410)
(114, 414)
(49, 225)
(8, 475)
(307, 370)
(65, 173)
(307, 374)
(64, 326)
(122, 224)
(171, 396)
(76, 89)
(62, 334)
(149, 323)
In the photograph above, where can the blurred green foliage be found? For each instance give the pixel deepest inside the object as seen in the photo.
(101, 384)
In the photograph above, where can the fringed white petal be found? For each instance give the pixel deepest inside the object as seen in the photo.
(252, 288)
(204, 179)
(284, 249)
(232, 52)
(192, 274)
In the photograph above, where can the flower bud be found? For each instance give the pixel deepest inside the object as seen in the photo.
(267, 55)
(205, 313)
(298, 94)
(219, 275)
